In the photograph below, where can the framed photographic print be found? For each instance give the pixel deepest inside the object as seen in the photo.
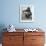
(26, 13)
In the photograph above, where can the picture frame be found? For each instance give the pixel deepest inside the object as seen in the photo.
(26, 13)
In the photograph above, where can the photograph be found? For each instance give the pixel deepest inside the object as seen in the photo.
(26, 13)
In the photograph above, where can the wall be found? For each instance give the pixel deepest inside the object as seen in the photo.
(10, 13)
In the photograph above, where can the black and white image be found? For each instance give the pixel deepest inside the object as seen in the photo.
(26, 13)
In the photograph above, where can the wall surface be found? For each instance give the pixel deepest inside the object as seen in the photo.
(9, 13)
